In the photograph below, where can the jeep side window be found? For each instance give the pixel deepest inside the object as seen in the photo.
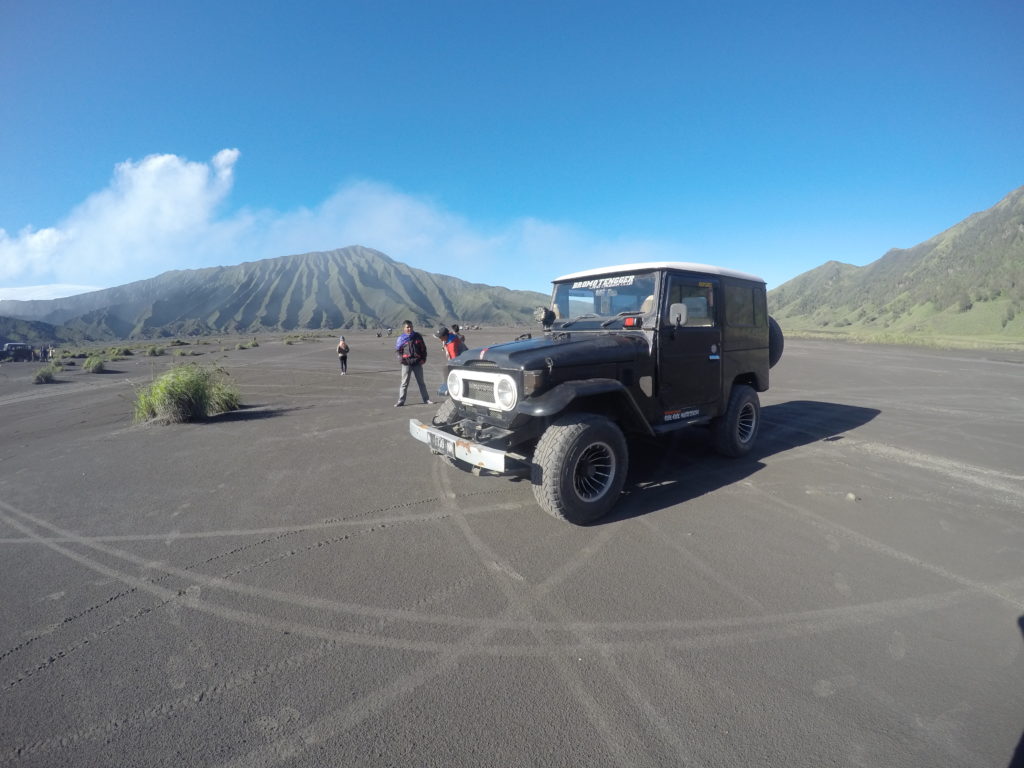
(744, 306)
(698, 297)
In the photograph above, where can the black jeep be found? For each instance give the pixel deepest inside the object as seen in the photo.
(638, 349)
(16, 351)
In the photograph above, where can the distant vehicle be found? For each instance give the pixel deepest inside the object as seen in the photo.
(17, 351)
(632, 350)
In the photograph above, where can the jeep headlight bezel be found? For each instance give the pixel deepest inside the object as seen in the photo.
(454, 385)
(505, 393)
(490, 389)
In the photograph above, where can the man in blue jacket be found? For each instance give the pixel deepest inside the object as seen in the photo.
(412, 354)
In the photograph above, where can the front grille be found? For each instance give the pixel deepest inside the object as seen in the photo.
(482, 391)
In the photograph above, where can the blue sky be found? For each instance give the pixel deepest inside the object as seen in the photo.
(501, 142)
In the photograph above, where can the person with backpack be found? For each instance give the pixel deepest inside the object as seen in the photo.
(343, 355)
(451, 343)
(411, 351)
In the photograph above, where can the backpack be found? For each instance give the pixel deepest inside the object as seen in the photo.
(454, 346)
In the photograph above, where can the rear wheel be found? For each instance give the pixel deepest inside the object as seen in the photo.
(579, 468)
(736, 430)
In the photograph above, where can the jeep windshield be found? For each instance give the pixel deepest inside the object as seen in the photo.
(596, 302)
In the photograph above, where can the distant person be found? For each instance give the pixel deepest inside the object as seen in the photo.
(343, 355)
(457, 332)
(412, 354)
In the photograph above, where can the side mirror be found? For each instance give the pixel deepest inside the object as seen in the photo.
(677, 314)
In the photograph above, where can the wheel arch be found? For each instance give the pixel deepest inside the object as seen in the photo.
(607, 397)
(748, 378)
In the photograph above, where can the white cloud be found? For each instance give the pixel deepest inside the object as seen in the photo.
(162, 213)
(51, 291)
(522, 253)
(145, 221)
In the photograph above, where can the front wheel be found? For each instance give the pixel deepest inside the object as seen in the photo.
(579, 468)
(445, 414)
(736, 430)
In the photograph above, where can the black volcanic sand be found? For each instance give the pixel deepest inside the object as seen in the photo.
(301, 583)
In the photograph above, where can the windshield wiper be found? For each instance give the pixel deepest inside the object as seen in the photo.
(572, 320)
(611, 320)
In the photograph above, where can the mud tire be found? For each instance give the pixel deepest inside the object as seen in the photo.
(735, 431)
(445, 414)
(579, 467)
(776, 342)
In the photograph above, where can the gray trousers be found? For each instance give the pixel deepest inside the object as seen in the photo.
(417, 371)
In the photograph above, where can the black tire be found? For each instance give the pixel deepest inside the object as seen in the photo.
(735, 431)
(776, 342)
(579, 467)
(445, 414)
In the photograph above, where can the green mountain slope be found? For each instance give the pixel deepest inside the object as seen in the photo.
(35, 332)
(965, 282)
(352, 287)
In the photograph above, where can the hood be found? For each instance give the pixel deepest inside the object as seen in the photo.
(563, 349)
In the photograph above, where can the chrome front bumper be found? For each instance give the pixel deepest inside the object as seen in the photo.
(447, 444)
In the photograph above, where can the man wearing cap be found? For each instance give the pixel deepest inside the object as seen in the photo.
(451, 343)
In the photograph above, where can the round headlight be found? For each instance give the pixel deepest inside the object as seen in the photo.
(505, 390)
(454, 385)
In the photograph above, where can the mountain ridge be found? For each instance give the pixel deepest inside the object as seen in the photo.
(352, 287)
(965, 281)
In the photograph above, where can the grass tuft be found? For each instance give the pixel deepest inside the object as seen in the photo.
(45, 375)
(94, 364)
(186, 393)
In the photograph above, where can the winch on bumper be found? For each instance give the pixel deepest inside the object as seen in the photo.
(473, 453)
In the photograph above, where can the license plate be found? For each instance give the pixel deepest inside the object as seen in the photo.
(442, 444)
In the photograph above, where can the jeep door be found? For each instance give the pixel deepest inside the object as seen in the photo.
(690, 354)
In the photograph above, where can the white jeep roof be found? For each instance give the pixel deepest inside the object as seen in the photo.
(685, 266)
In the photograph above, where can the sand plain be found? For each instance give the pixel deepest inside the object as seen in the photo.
(299, 583)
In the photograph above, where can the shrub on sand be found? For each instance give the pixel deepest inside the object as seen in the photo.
(93, 364)
(186, 393)
(44, 375)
